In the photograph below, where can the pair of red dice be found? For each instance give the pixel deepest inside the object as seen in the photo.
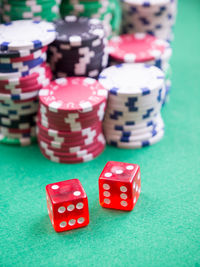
(67, 203)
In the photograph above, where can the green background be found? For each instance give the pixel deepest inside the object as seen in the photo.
(164, 227)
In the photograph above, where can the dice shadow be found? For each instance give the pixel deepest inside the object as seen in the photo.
(42, 226)
(146, 207)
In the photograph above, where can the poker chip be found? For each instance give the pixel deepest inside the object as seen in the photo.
(23, 72)
(137, 144)
(69, 120)
(26, 35)
(155, 17)
(22, 66)
(30, 9)
(142, 48)
(135, 97)
(76, 159)
(136, 48)
(108, 11)
(20, 56)
(23, 141)
(80, 42)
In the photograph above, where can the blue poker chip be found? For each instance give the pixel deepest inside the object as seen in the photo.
(26, 35)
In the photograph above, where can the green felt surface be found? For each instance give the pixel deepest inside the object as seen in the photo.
(164, 227)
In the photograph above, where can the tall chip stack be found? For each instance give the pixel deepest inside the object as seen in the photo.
(79, 48)
(23, 72)
(30, 9)
(135, 96)
(155, 17)
(108, 11)
(70, 117)
(142, 48)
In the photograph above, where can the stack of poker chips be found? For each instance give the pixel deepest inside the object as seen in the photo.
(23, 72)
(69, 120)
(155, 17)
(79, 48)
(133, 118)
(142, 48)
(30, 9)
(108, 11)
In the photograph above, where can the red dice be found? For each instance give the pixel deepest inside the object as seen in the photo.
(119, 185)
(67, 205)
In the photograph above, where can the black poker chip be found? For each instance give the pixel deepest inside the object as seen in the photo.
(78, 31)
(79, 48)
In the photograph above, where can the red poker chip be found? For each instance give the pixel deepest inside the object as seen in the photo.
(78, 134)
(57, 144)
(67, 120)
(73, 115)
(41, 81)
(18, 131)
(60, 146)
(32, 56)
(93, 148)
(65, 160)
(72, 94)
(25, 90)
(31, 78)
(74, 148)
(66, 128)
(96, 112)
(138, 47)
(60, 126)
(70, 139)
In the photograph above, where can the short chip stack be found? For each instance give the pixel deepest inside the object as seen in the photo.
(133, 118)
(142, 48)
(70, 117)
(79, 48)
(23, 72)
(30, 9)
(108, 11)
(155, 17)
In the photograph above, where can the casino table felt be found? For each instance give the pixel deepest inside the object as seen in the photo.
(163, 228)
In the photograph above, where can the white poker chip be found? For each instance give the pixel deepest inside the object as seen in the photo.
(26, 34)
(155, 17)
(137, 144)
(132, 79)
